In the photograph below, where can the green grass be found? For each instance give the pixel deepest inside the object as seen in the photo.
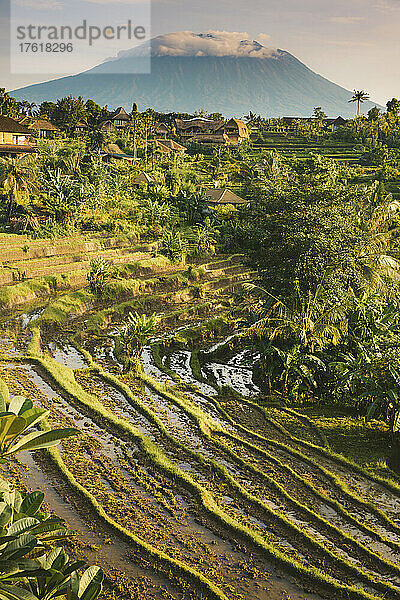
(58, 311)
(361, 442)
(21, 293)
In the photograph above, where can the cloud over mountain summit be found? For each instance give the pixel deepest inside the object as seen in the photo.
(210, 43)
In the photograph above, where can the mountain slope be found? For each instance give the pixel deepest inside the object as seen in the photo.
(279, 85)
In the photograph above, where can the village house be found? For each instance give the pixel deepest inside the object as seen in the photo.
(161, 129)
(43, 126)
(144, 179)
(217, 196)
(334, 124)
(114, 152)
(119, 119)
(198, 129)
(167, 146)
(236, 130)
(14, 138)
(172, 145)
(208, 131)
(81, 127)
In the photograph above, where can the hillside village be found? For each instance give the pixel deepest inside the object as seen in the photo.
(154, 134)
(199, 354)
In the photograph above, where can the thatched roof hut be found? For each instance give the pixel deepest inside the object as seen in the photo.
(216, 196)
(144, 178)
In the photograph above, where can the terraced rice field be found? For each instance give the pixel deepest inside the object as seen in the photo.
(292, 146)
(182, 486)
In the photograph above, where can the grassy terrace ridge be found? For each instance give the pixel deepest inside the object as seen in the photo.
(355, 570)
(19, 293)
(294, 451)
(289, 145)
(64, 378)
(68, 256)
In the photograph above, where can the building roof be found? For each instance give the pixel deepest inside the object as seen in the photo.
(241, 125)
(335, 120)
(144, 177)
(8, 125)
(42, 125)
(223, 196)
(161, 128)
(113, 149)
(82, 125)
(160, 145)
(291, 120)
(212, 138)
(120, 114)
(204, 124)
(16, 148)
(172, 145)
(106, 125)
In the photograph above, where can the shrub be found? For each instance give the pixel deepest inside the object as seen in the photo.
(100, 272)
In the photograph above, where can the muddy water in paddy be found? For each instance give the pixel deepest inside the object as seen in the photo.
(180, 363)
(305, 496)
(182, 422)
(93, 541)
(193, 540)
(67, 355)
(150, 368)
(239, 379)
(176, 417)
(115, 471)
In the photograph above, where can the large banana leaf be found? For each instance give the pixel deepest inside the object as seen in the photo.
(10, 425)
(90, 583)
(37, 440)
(34, 415)
(31, 503)
(11, 592)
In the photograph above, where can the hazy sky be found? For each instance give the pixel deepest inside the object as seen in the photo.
(355, 43)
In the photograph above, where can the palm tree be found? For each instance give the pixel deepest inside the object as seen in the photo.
(28, 108)
(379, 265)
(359, 96)
(18, 178)
(250, 117)
(8, 105)
(308, 323)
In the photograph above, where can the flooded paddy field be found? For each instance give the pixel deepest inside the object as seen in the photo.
(181, 484)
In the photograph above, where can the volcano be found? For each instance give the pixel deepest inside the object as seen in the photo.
(217, 72)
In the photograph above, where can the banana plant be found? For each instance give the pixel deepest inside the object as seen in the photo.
(17, 415)
(30, 567)
(100, 272)
(136, 333)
